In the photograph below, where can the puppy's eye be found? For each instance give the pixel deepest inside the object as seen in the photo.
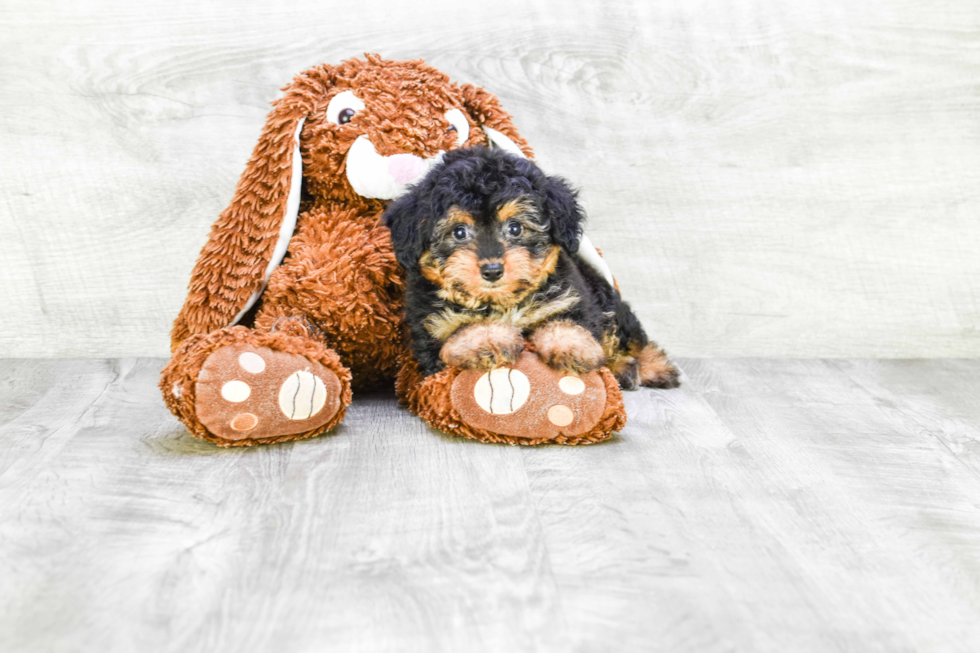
(514, 229)
(460, 232)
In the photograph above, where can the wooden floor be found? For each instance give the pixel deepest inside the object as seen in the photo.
(764, 506)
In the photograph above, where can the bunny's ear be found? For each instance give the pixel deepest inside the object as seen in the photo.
(250, 237)
(485, 110)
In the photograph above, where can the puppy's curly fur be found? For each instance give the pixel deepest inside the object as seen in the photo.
(488, 244)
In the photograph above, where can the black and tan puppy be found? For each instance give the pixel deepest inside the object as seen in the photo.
(488, 243)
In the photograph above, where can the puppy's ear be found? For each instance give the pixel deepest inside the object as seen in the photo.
(563, 210)
(250, 237)
(405, 218)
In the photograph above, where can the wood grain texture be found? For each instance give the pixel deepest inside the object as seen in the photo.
(768, 178)
(763, 506)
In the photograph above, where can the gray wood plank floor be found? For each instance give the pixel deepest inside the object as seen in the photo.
(767, 505)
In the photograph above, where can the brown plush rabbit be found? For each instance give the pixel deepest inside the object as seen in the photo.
(297, 297)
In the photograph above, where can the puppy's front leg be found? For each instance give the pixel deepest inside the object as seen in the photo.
(484, 345)
(568, 347)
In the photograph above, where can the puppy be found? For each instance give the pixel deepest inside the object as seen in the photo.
(488, 244)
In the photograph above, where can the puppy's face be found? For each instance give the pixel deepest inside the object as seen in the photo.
(485, 227)
(494, 256)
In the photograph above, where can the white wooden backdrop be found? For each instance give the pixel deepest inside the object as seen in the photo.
(768, 178)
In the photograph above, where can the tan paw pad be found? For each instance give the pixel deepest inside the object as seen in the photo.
(571, 385)
(251, 362)
(502, 390)
(302, 395)
(235, 391)
(244, 422)
(560, 415)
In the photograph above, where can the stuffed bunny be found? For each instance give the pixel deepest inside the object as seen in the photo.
(296, 298)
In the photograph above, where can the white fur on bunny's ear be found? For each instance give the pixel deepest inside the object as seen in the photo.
(590, 255)
(500, 140)
(286, 228)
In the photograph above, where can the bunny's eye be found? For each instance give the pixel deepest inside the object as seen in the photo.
(343, 107)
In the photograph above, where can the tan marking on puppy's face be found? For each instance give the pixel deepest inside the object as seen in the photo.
(430, 267)
(456, 215)
(444, 243)
(524, 273)
(463, 244)
(460, 280)
(510, 209)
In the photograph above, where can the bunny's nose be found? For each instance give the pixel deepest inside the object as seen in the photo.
(492, 271)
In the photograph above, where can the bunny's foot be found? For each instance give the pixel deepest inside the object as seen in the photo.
(528, 403)
(239, 387)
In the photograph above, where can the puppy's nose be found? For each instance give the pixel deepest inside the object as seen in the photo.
(492, 271)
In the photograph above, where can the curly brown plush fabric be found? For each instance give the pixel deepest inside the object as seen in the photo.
(336, 297)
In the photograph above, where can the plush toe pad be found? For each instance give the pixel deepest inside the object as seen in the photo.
(257, 392)
(530, 400)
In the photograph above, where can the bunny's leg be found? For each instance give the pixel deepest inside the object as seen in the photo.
(342, 276)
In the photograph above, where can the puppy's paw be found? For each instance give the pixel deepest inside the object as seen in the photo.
(568, 347)
(656, 370)
(483, 346)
